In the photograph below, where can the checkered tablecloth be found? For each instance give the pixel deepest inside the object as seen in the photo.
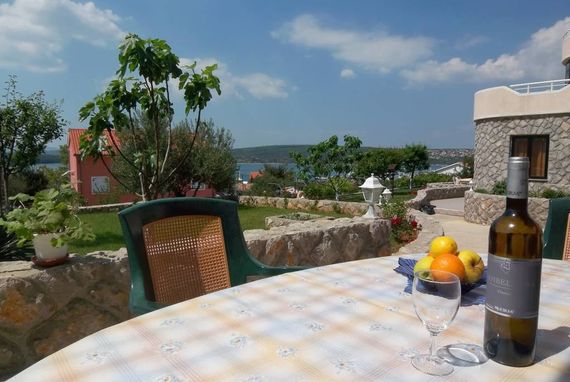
(343, 322)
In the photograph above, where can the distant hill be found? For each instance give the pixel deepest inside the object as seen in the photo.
(268, 154)
(49, 156)
(280, 154)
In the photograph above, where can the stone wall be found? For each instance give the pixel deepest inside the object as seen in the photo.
(44, 310)
(320, 242)
(349, 208)
(492, 146)
(484, 208)
(436, 191)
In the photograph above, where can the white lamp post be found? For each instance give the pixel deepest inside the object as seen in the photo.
(371, 190)
(386, 196)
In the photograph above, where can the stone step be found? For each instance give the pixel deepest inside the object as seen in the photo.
(447, 211)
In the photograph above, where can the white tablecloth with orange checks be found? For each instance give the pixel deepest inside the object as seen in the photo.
(344, 322)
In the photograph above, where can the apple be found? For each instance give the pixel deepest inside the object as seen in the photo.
(474, 266)
(423, 264)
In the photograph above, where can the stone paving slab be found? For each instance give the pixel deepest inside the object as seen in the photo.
(467, 235)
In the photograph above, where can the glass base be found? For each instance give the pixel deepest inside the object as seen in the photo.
(463, 354)
(432, 365)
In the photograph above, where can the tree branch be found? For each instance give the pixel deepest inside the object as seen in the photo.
(187, 155)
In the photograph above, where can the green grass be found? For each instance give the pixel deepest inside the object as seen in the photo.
(109, 237)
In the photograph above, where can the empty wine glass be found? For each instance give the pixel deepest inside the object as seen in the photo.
(436, 296)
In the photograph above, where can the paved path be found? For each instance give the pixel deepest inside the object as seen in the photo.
(468, 235)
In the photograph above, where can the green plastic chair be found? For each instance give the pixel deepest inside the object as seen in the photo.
(181, 248)
(557, 230)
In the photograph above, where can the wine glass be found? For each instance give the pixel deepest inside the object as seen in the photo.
(436, 296)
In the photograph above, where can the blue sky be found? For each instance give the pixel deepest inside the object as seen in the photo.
(297, 72)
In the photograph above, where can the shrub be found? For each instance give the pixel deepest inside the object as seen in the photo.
(29, 181)
(421, 180)
(404, 226)
(499, 188)
(318, 191)
(549, 193)
(9, 249)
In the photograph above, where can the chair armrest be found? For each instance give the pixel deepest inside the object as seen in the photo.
(145, 306)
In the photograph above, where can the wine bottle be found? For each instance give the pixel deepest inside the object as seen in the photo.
(513, 279)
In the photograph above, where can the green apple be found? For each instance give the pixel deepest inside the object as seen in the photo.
(423, 264)
(474, 266)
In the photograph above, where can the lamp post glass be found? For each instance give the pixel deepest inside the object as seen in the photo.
(371, 191)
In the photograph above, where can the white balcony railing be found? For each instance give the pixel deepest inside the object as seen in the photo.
(542, 86)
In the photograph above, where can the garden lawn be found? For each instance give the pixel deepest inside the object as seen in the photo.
(109, 236)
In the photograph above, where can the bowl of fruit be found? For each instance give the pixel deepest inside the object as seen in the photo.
(444, 255)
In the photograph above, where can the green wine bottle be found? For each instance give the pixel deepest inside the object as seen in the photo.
(513, 280)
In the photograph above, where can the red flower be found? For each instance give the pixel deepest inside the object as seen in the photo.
(414, 224)
(395, 220)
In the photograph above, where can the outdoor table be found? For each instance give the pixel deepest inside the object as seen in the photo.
(349, 321)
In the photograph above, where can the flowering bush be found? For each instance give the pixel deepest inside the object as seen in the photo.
(404, 227)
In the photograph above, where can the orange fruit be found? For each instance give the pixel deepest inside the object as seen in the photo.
(450, 263)
(441, 245)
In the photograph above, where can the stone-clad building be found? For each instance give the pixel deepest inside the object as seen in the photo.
(530, 120)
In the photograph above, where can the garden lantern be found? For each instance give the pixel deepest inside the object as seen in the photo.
(371, 190)
(386, 196)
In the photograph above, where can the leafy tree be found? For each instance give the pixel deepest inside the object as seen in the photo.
(64, 155)
(329, 160)
(27, 124)
(272, 181)
(468, 167)
(210, 163)
(378, 161)
(416, 157)
(147, 67)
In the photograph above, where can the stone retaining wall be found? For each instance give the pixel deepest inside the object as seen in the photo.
(485, 208)
(349, 208)
(436, 191)
(320, 242)
(44, 310)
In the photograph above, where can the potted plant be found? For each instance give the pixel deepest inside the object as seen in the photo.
(49, 220)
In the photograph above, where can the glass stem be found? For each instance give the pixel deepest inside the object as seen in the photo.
(433, 344)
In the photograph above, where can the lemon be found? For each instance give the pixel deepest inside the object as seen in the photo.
(441, 245)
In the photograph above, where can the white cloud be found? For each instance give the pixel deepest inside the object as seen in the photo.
(378, 51)
(33, 33)
(347, 73)
(537, 59)
(258, 85)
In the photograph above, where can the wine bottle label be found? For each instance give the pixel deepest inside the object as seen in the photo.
(513, 286)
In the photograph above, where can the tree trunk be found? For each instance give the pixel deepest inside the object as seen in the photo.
(3, 191)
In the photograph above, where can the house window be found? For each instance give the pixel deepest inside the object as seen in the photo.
(100, 185)
(535, 147)
(198, 185)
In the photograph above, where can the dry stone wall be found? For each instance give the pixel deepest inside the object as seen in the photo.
(320, 242)
(436, 191)
(492, 146)
(349, 208)
(44, 310)
(485, 208)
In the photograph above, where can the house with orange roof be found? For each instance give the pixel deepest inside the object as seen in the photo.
(92, 179)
